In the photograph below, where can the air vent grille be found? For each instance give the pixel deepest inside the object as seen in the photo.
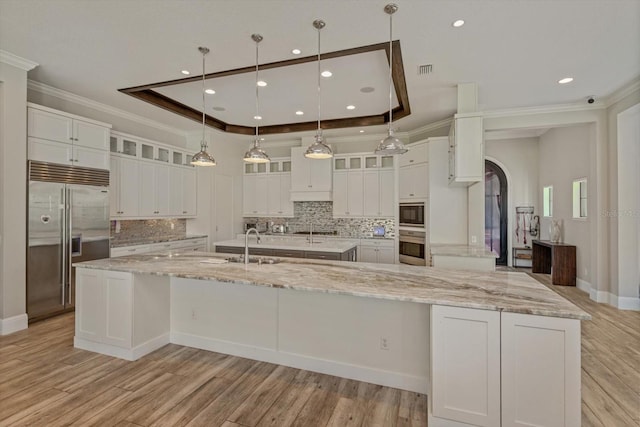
(51, 172)
(425, 69)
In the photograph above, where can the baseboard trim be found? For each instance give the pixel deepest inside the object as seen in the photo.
(299, 361)
(628, 303)
(621, 303)
(122, 353)
(14, 324)
(584, 286)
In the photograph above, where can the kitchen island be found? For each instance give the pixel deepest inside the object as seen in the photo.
(488, 348)
(296, 247)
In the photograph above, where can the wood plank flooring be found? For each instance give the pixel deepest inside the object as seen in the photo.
(44, 381)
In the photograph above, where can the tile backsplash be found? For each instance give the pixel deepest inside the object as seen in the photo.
(320, 214)
(123, 230)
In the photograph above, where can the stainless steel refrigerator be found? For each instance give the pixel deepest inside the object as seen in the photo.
(68, 223)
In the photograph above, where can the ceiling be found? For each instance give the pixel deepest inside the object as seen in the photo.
(515, 50)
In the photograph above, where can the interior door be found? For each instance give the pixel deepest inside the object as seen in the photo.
(45, 253)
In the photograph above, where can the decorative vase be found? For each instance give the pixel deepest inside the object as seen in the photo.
(554, 231)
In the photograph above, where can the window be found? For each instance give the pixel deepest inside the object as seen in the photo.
(547, 201)
(580, 198)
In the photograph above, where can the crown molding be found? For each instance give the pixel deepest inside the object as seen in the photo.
(623, 92)
(17, 61)
(543, 109)
(77, 99)
(430, 127)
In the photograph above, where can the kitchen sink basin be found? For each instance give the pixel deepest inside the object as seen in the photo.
(254, 260)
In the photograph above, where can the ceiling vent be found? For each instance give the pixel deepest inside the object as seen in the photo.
(425, 69)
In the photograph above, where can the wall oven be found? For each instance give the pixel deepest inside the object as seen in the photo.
(412, 246)
(412, 215)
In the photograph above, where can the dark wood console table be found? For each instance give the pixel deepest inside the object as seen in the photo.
(557, 255)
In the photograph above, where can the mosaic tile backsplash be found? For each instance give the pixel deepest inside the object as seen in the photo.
(135, 229)
(321, 215)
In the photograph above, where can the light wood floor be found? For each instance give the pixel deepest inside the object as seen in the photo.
(44, 381)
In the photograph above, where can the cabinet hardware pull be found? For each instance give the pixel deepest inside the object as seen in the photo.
(411, 161)
(411, 194)
(184, 212)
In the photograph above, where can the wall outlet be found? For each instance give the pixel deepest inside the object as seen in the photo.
(384, 343)
(474, 239)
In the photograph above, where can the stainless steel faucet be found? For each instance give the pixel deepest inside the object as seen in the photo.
(246, 244)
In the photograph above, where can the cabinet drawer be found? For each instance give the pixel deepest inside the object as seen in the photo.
(322, 255)
(129, 250)
(229, 250)
(287, 253)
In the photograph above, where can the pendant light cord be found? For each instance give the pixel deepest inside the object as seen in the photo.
(203, 145)
(319, 128)
(390, 68)
(257, 94)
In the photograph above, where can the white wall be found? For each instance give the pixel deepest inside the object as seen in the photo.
(447, 205)
(13, 160)
(563, 157)
(518, 158)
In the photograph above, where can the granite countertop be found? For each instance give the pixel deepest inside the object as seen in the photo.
(295, 244)
(152, 239)
(498, 291)
(461, 251)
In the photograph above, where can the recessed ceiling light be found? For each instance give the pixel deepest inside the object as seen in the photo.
(210, 91)
(326, 73)
(458, 23)
(351, 107)
(367, 89)
(361, 131)
(219, 109)
(296, 51)
(262, 83)
(185, 72)
(299, 113)
(257, 117)
(565, 80)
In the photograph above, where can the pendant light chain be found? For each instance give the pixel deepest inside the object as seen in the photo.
(203, 146)
(257, 92)
(319, 93)
(390, 68)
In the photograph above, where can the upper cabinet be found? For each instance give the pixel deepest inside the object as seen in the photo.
(466, 152)
(266, 188)
(310, 178)
(58, 137)
(414, 173)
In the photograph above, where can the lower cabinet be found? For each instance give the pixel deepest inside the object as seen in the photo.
(504, 369)
(378, 251)
(349, 255)
(186, 245)
(121, 314)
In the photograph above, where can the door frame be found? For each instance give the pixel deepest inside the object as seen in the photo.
(505, 234)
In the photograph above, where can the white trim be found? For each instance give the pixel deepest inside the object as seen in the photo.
(621, 303)
(627, 303)
(299, 361)
(64, 113)
(584, 286)
(14, 324)
(429, 127)
(77, 99)
(623, 92)
(17, 61)
(122, 353)
(555, 109)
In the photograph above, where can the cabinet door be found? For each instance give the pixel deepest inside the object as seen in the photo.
(340, 194)
(273, 195)
(147, 189)
(386, 255)
(469, 156)
(162, 190)
(405, 186)
(355, 193)
(420, 177)
(128, 183)
(89, 305)
(261, 194)
(386, 194)
(416, 154)
(90, 135)
(118, 308)
(286, 205)
(50, 151)
(371, 191)
(540, 371)
(175, 191)
(114, 186)
(249, 207)
(320, 174)
(299, 170)
(367, 254)
(54, 127)
(90, 157)
(465, 365)
(189, 192)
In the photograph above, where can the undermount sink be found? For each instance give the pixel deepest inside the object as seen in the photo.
(254, 260)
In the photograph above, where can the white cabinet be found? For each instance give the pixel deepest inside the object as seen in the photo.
(490, 368)
(310, 178)
(465, 360)
(414, 182)
(348, 195)
(182, 191)
(466, 152)
(189, 192)
(62, 138)
(129, 250)
(378, 251)
(249, 206)
(379, 189)
(417, 153)
(266, 189)
(153, 189)
(278, 199)
(187, 245)
(123, 194)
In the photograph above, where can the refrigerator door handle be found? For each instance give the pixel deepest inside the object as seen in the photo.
(70, 246)
(63, 225)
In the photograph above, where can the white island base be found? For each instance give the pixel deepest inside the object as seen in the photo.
(478, 367)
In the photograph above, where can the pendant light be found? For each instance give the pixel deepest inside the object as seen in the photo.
(255, 153)
(319, 149)
(391, 144)
(202, 158)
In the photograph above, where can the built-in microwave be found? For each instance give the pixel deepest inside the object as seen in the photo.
(412, 214)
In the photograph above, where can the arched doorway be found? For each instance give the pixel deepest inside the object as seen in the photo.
(496, 211)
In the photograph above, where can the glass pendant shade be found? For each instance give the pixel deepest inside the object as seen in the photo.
(256, 154)
(319, 150)
(391, 145)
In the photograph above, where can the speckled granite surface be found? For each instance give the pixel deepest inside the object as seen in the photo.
(461, 251)
(151, 239)
(499, 291)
